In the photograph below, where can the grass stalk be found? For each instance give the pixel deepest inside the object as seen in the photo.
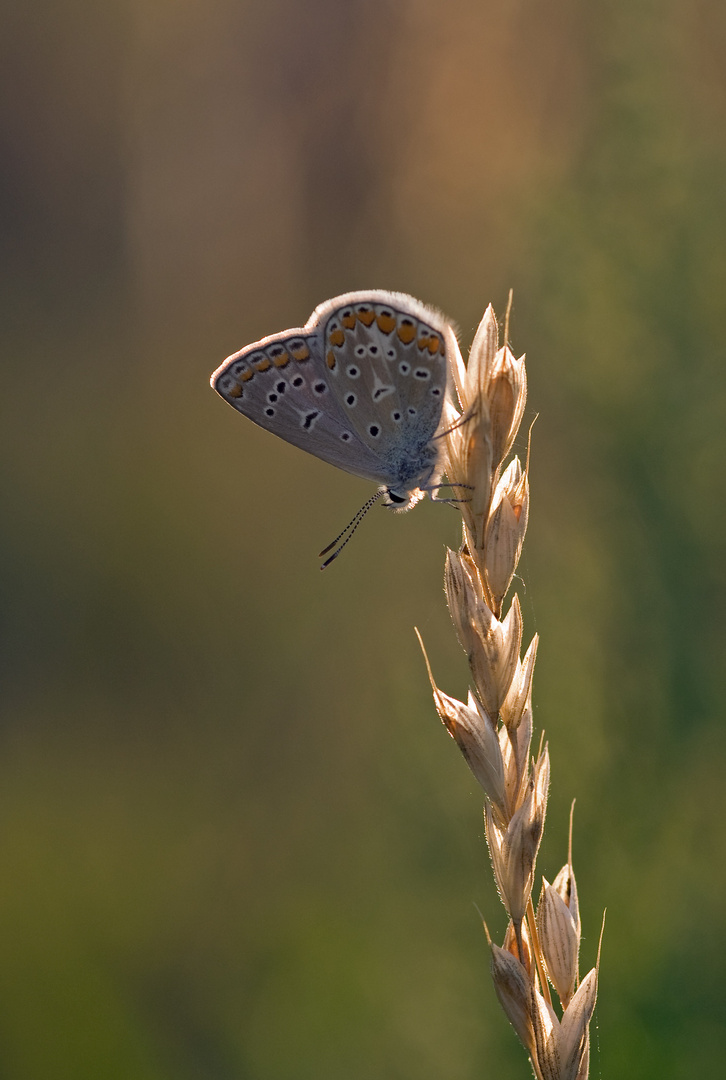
(493, 729)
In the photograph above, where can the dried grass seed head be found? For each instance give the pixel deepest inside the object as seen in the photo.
(513, 848)
(506, 396)
(565, 885)
(493, 662)
(515, 746)
(476, 737)
(514, 989)
(574, 1029)
(472, 381)
(470, 466)
(505, 530)
(492, 647)
(519, 696)
(560, 939)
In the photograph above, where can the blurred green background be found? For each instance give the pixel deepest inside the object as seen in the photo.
(235, 841)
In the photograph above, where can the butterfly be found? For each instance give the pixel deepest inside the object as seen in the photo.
(362, 385)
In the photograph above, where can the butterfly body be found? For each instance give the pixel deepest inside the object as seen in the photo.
(362, 385)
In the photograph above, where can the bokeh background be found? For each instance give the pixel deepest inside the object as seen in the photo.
(235, 841)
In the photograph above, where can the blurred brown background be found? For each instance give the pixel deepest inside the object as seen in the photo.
(235, 841)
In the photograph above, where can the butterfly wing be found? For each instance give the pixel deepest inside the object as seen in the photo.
(386, 354)
(282, 384)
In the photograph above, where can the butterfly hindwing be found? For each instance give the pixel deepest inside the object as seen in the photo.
(389, 368)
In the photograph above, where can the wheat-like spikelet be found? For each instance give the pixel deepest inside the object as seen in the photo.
(493, 729)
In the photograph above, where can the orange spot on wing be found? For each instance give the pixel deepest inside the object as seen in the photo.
(336, 337)
(366, 315)
(263, 365)
(246, 375)
(236, 391)
(348, 320)
(330, 360)
(434, 344)
(406, 331)
(386, 322)
(300, 352)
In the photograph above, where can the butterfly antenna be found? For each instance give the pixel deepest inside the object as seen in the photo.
(349, 529)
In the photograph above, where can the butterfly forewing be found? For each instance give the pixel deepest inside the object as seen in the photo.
(278, 382)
